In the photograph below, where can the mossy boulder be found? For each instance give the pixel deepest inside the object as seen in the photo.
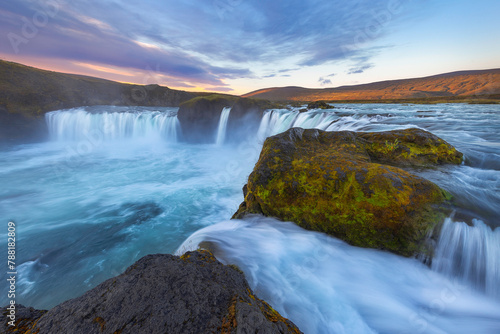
(341, 183)
(319, 105)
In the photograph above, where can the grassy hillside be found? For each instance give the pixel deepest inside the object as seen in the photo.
(27, 93)
(453, 87)
(31, 92)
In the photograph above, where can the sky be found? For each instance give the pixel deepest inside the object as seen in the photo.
(237, 46)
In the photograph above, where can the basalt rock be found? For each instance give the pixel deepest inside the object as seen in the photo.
(200, 116)
(348, 185)
(193, 293)
(18, 128)
(24, 318)
(319, 105)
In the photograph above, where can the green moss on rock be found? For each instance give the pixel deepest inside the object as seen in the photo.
(334, 182)
(411, 147)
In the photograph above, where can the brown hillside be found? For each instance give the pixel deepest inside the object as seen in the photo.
(30, 91)
(27, 93)
(480, 84)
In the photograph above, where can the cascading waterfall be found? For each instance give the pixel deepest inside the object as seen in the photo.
(327, 286)
(221, 129)
(145, 198)
(80, 124)
(277, 121)
(471, 253)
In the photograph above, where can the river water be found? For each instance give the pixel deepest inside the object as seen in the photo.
(116, 183)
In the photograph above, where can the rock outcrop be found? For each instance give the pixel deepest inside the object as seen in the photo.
(18, 128)
(319, 105)
(25, 319)
(193, 293)
(347, 184)
(200, 116)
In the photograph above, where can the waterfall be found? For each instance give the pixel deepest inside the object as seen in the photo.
(327, 286)
(80, 124)
(277, 121)
(221, 129)
(470, 253)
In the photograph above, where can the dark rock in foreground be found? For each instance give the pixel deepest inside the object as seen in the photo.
(346, 184)
(193, 293)
(25, 319)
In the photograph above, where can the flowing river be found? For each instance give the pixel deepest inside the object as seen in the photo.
(117, 183)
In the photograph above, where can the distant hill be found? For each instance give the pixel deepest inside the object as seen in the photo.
(477, 84)
(31, 91)
(27, 93)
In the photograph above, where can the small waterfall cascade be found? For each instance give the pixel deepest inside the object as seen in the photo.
(280, 120)
(277, 121)
(80, 124)
(471, 254)
(221, 129)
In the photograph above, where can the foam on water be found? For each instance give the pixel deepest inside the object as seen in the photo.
(114, 185)
(471, 254)
(327, 286)
(81, 124)
(221, 129)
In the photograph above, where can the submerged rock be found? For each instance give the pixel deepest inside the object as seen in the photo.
(347, 184)
(193, 293)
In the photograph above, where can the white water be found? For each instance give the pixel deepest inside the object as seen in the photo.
(277, 121)
(83, 124)
(221, 129)
(93, 201)
(327, 286)
(471, 254)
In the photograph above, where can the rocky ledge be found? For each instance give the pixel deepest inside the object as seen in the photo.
(193, 293)
(350, 186)
(200, 116)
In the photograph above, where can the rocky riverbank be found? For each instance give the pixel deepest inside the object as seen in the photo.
(160, 293)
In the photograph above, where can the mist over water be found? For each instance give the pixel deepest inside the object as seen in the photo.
(116, 123)
(115, 184)
(327, 286)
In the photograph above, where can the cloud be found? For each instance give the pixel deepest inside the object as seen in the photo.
(325, 82)
(82, 39)
(219, 89)
(198, 41)
(359, 69)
